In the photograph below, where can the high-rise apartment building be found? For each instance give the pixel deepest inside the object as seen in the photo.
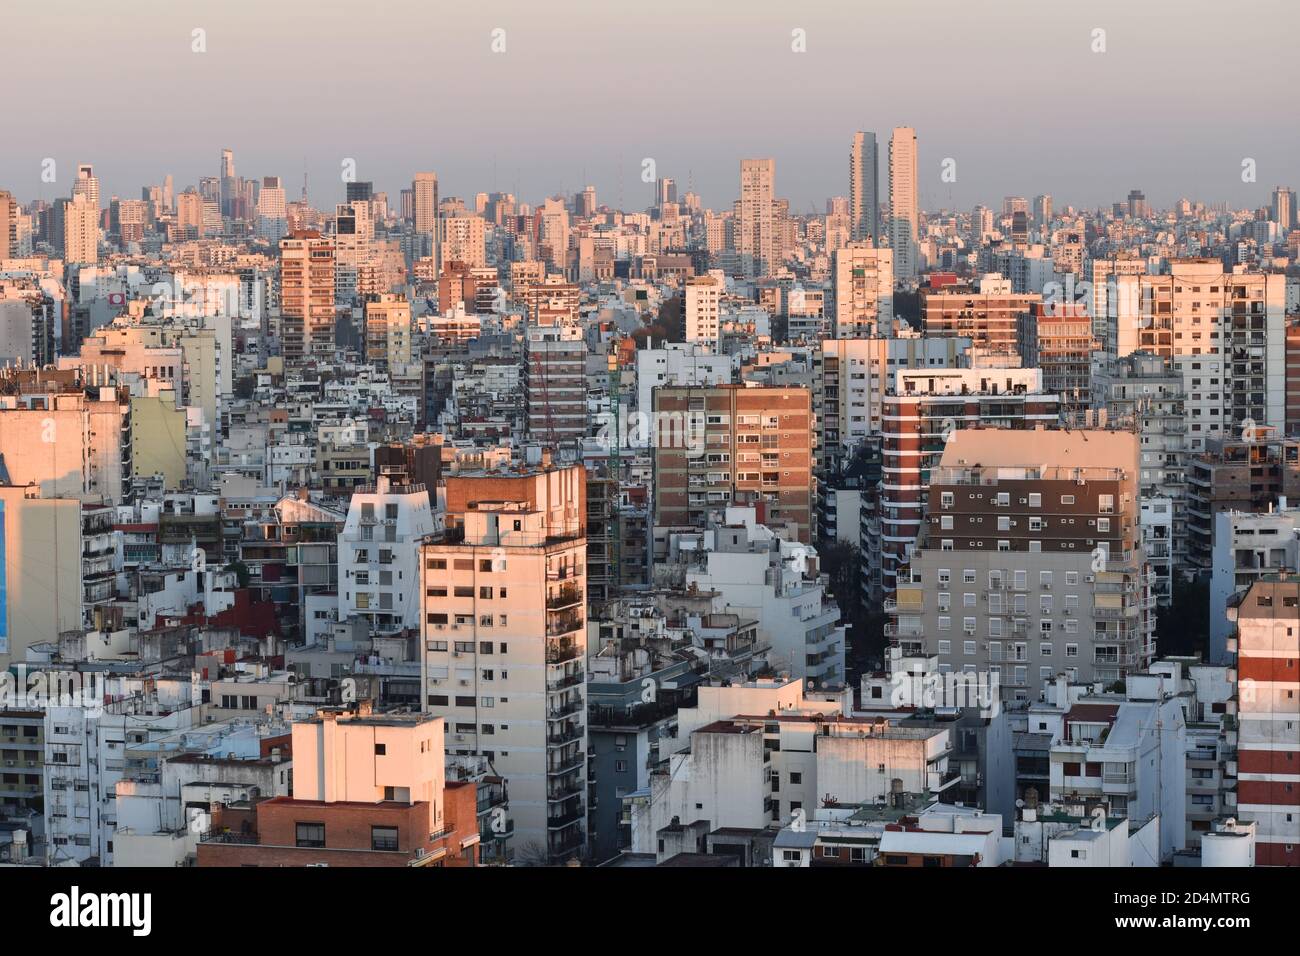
(855, 376)
(504, 640)
(464, 239)
(864, 189)
(1030, 564)
(80, 230)
(555, 381)
(1283, 209)
(1235, 319)
(87, 185)
(424, 211)
(388, 331)
(1042, 212)
(989, 315)
(1266, 648)
(924, 408)
(863, 277)
(306, 295)
(732, 444)
(377, 564)
(8, 225)
(904, 208)
(755, 239)
(1249, 472)
(702, 308)
(1057, 339)
(272, 221)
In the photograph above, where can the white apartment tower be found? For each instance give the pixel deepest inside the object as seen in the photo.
(703, 305)
(504, 638)
(864, 291)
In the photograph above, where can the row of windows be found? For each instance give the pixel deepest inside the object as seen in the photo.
(997, 579)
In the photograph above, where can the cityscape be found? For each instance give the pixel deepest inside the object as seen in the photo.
(416, 521)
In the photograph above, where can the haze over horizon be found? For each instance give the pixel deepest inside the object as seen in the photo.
(288, 91)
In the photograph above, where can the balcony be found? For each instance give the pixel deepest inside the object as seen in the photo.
(563, 623)
(570, 680)
(566, 709)
(561, 651)
(566, 735)
(565, 596)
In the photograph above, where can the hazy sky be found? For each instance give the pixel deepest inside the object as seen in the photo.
(1009, 89)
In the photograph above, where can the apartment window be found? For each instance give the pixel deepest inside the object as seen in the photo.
(968, 599)
(309, 835)
(1103, 525)
(1067, 499)
(945, 647)
(968, 576)
(946, 499)
(381, 750)
(945, 623)
(383, 838)
(1035, 500)
(968, 648)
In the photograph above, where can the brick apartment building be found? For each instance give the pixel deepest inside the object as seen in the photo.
(724, 444)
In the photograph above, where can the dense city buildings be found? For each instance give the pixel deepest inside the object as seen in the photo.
(582, 504)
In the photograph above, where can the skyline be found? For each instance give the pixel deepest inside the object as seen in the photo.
(473, 123)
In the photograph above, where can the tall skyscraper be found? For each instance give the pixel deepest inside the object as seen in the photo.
(229, 187)
(87, 185)
(272, 219)
(903, 208)
(80, 230)
(756, 225)
(425, 191)
(1284, 209)
(1042, 211)
(8, 224)
(424, 210)
(864, 188)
